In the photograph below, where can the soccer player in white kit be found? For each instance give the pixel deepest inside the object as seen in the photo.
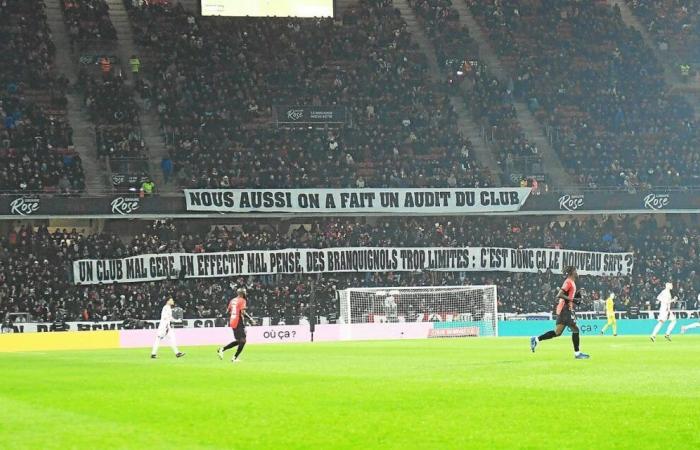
(165, 329)
(665, 300)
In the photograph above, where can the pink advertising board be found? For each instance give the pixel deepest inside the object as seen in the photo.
(282, 334)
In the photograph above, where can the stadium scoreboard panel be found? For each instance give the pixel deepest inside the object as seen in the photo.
(268, 8)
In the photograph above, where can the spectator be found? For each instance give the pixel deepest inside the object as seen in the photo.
(148, 187)
(166, 166)
(135, 64)
(105, 67)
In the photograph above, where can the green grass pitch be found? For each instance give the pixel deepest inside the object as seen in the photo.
(432, 394)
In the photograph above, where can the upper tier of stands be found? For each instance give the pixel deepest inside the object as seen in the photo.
(599, 91)
(36, 148)
(214, 82)
(675, 23)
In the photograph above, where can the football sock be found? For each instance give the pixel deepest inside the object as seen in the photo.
(173, 344)
(548, 335)
(154, 350)
(670, 327)
(657, 328)
(240, 349)
(230, 345)
(575, 339)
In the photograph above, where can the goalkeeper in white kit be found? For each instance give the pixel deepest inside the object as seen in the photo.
(665, 299)
(165, 329)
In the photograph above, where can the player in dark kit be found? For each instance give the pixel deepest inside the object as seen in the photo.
(236, 310)
(568, 296)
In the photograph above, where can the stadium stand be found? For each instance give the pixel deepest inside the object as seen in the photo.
(490, 101)
(29, 257)
(598, 89)
(88, 22)
(111, 107)
(36, 153)
(674, 24)
(403, 131)
(609, 129)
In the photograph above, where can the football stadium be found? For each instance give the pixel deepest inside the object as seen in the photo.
(351, 224)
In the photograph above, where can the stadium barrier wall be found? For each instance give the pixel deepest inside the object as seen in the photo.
(284, 333)
(218, 336)
(373, 331)
(641, 327)
(84, 340)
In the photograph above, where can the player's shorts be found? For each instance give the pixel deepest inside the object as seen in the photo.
(667, 315)
(239, 332)
(611, 317)
(567, 318)
(163, 331)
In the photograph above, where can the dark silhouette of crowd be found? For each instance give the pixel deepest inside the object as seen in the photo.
(673, 24)
(490, 101)
(598, 89)
(214, 83)
(88, 22)
(36, 143)
(35, 264)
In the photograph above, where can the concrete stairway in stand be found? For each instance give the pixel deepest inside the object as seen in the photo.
(96, 172)
(150, 124)
(551, 164)
(690, 89)
(482, 152)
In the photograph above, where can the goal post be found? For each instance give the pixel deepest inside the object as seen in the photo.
(447, 311)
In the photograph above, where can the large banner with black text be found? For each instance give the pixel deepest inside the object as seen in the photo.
(153, 267)
(386, 201)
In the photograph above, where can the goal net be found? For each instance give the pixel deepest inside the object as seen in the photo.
(452, 310)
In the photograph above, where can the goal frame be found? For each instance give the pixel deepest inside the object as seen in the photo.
(345, 304)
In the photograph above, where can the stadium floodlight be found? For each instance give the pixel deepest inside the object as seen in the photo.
(454, 310)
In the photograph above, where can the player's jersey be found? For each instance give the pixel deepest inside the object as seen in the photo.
(166, 314)
(235, 309)
(610, 306)
(664, 298)
(569, 288)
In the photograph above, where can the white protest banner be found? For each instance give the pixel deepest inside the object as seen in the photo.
(385, 201)
(152, 267)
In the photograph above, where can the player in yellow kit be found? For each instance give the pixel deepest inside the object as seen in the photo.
(610, 313)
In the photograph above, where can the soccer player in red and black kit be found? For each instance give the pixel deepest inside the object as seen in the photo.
(566, 317)
(236, 310)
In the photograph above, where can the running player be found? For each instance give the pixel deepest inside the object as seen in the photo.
(236, 310)
(566, 317)
(610, 313)
(165, 329)
(665, 299)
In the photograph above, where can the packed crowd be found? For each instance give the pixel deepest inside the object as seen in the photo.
(403, 130)
(600, 91)
(88, 21)
(112, 108)
(490, 101)
(35, 264)
(36, 152)
(674, 24)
